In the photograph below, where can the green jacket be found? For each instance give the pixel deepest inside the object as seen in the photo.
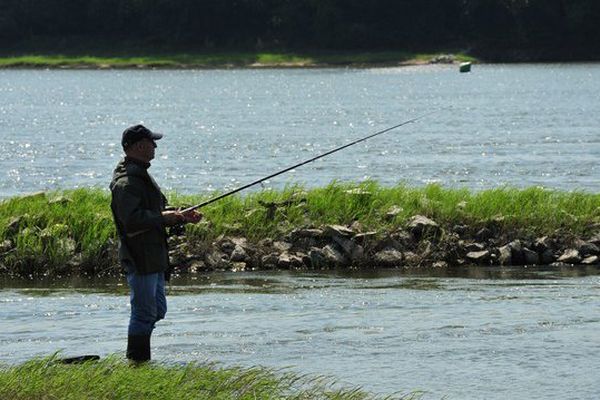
(137, 205)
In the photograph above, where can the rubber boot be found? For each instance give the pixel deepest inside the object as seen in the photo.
(138, 348)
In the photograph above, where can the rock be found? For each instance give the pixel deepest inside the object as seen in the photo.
(559, 264)
(235, 228)
(176, 258)
(443, 59)
(589, 249)
(358, 192)
(460, 229)
(238, 254)
(281, 246)
(305, 233)
(265, 243)
(333, 256)
(505, 255)
(402, 239)
(591, 260)
(364, 238)
(570, 256)
(289, 261)
(317, 258)
(411, 258)
(516, 252)
(5, 246)
(440, 264)
(197, 266)
(226, 245)
(484, 234)
(547, 257)
(60, 200)
(474, 247)
(544, 243)
(530, 257)
(356, 226)
(306, 260)
(419, 225)
(14, 225)
(215, 259)
(269, 260)
(351, 250)
(393, 212)
(338, 230)
(34, 195)
(241, 241)
(284, 261)
(388, 258)
(238, 266)
(595, 239)
(479, 257)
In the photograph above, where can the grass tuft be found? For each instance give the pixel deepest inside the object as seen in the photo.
(113, 378)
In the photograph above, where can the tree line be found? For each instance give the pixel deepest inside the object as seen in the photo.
(492, 26)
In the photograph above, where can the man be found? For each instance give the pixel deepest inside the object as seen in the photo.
(139, 211)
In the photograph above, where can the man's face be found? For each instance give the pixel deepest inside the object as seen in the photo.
(147, 148)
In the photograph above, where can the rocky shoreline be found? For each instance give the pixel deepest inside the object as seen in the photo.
(422, 243)
(337, 227)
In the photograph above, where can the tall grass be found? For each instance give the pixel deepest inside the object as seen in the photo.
(54, 228)
(112, 378)
(532, 210)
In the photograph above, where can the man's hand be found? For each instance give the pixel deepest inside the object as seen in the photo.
(191, 217)
(177, 217)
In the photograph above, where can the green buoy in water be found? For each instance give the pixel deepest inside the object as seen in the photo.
(465, 67)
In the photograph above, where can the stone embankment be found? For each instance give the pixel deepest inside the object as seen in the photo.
(421, 243)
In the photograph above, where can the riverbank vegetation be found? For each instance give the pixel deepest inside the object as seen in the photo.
(494, 30)
(113, 378)
(340, 225)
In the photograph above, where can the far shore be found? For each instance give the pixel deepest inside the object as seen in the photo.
(226, 60)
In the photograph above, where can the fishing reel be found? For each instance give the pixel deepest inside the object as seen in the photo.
(176, 230)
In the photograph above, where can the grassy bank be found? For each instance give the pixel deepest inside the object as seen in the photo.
(221, 60)
(59, 230)
(112, 378)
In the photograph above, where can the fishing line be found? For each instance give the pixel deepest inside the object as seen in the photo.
(217, 198)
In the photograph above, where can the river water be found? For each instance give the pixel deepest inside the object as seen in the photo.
(516, 125)
(480, 334)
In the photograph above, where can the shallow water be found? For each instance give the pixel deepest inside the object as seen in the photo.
(492, 333)
(517, 125)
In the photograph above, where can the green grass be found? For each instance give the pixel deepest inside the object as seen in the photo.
(112, 378)
(214, 60)
(54, 228)
(533, 210)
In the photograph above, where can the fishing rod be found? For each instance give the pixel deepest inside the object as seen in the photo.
(217, 198)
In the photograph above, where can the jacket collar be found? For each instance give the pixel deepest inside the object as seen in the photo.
(140, 163)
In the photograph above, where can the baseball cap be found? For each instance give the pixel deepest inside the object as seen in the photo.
(136, 133)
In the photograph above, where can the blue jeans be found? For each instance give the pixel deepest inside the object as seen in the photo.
(148, 302)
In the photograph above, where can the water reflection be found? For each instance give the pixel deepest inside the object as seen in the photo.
(281, 282)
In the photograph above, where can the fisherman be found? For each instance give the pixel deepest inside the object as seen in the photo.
(141, 218)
